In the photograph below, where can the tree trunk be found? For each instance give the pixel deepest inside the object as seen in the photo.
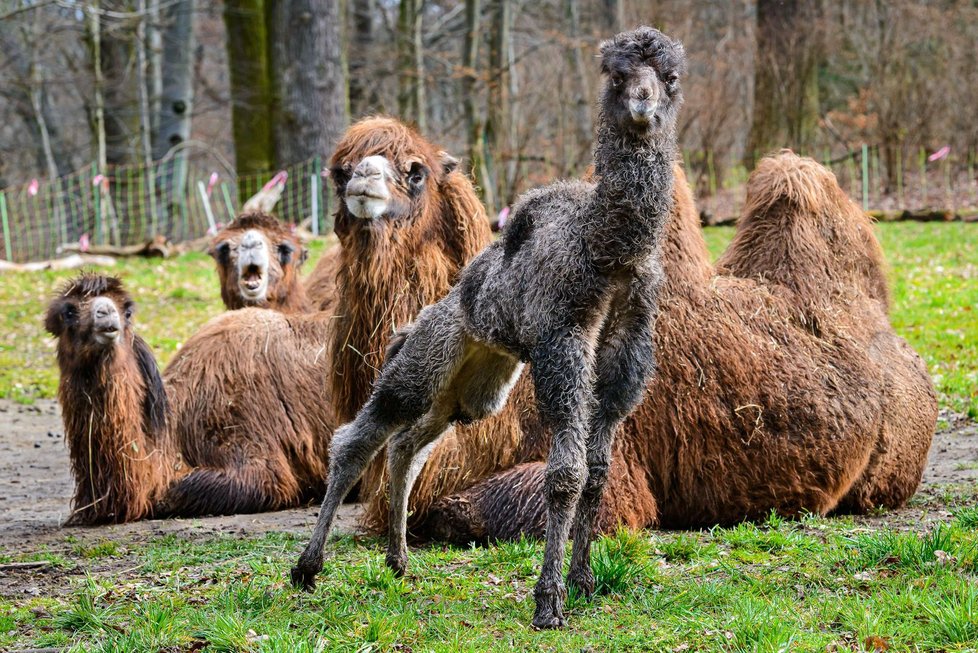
(580, 96)
(614, 15)
(786, 108)
(498, 112)
(120, 97)
(363, 94)
(177, 75)
(473, 115)
(410, 63)
(252, 94)
(308, 68)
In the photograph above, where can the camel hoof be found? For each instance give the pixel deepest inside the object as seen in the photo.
(397, 563)
(303, 579)
(582, 581)
(545, 619)
(549, 612)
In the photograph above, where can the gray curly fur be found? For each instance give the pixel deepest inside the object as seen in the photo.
(571, 288)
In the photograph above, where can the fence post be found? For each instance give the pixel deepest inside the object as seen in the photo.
(207, 207)
(227, 200)
(314, 192)
(6, 227)
(97, 201)
(865, 171)
(899, 176)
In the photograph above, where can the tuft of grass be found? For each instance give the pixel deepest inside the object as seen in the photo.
(966, 518)
(619, 560)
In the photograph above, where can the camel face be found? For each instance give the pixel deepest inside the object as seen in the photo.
(386, 177)
(368, 192)
(90, 315)
(257, 260)
(642, 93)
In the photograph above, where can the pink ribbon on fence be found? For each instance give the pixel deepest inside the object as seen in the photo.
(940, 154)
(212, 182)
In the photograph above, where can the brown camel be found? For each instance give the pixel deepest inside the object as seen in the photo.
(781, 384)
(258, 260)
(251, 411)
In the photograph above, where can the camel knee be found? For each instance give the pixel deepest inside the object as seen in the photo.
(564, 483)
(624, 389)
(597, 477)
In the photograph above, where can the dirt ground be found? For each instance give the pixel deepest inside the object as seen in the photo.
(35, 492)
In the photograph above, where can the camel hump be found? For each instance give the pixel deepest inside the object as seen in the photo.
(786, 176)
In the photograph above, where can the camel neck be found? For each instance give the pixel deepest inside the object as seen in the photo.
(633, 194)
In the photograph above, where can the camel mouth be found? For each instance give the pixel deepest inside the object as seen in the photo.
(253, 282)
(107, 335)
(368, 206)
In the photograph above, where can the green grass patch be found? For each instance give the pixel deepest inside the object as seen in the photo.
(811, 585)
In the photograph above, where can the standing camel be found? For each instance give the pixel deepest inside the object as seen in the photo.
(572, 289)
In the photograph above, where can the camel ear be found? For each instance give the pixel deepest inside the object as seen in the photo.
(60, 315)
(221, 252)
(155, 407)
(447, 161)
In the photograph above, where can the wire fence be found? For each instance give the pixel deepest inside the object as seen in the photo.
(185, 197)
(882, 179)
(179, 198)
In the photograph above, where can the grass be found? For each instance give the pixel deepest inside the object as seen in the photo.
(811, 585)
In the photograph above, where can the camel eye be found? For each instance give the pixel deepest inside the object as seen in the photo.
(128, 309)
(340, 176)
(285, 251)
(69, 314)
(416, 176)
(616, 80)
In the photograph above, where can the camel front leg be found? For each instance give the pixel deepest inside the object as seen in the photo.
(354, 446)
(562, 377)
(625, 360)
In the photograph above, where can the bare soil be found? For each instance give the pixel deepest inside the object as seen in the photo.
(36, 488)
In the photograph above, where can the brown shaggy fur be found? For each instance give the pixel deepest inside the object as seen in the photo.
(781, 384)
(390, 269)
(249, 415)
(251, 407)
(286, 255)
(321, 286)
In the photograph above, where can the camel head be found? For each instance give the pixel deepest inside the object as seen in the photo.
(258, 260)
(641, 94)
(90, 315)
(388, 177)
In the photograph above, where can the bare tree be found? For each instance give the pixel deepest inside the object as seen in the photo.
(411, 102)
(177, 76)
(252, 92)
(786, 108)
(309, 72)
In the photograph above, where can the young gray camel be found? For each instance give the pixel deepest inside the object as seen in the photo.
(572, 288)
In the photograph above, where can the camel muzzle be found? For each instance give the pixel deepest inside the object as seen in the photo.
(253, 267)
(106, 323)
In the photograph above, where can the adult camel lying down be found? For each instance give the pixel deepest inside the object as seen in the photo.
(242, 417)
(781, 384)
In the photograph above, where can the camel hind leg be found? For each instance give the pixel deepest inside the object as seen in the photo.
(478, 389)
(624, 362)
